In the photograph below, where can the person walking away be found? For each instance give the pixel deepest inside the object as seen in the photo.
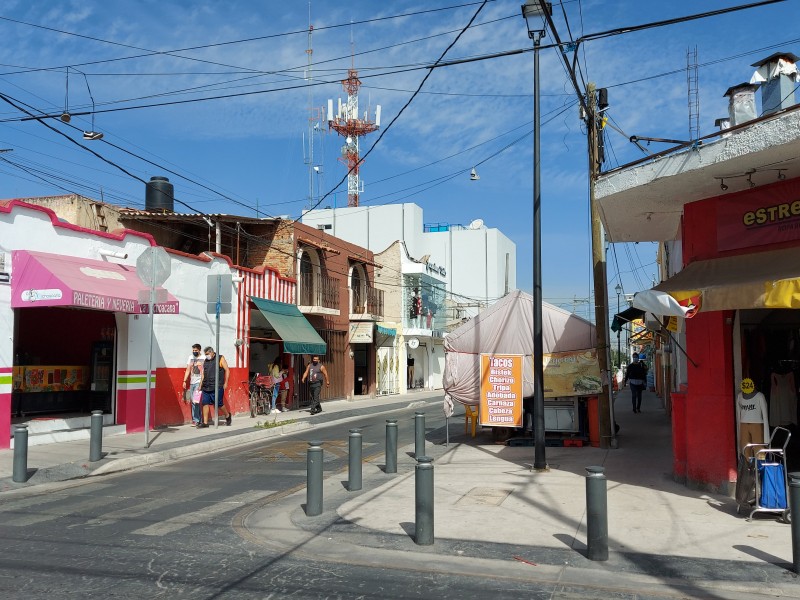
(191, 380)
(636, 375)
(315, 373)
(211, 380)
(286, 387)
(277, 374)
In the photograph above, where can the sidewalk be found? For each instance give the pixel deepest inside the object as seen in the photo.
(69, 460)
(493, 514)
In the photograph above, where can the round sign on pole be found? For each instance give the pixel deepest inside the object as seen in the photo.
(413, 343)
(153, 266)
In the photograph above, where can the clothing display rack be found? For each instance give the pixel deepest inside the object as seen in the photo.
(762, 485)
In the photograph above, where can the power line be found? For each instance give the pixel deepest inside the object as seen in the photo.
(149, 52)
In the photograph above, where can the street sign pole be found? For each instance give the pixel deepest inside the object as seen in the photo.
(153, 268)
(216, 355)
(218, 302)
(152, 309)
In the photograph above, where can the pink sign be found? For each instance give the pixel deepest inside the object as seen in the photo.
(42, 279)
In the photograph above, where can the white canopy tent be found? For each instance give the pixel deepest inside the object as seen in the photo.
(506, 327)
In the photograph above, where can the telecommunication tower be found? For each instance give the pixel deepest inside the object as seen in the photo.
(347, 124)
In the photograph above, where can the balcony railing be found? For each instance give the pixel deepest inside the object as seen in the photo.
(366, 301)
(320, 291)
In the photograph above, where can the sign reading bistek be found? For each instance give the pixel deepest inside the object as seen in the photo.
(501, 390)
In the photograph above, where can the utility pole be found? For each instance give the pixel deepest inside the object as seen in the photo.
(607, 434)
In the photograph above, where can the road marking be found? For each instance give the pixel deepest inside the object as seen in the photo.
(133, 512)
(202, 515)
(64, 506)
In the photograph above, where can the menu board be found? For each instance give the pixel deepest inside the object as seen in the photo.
(572, 374)
(501, 390)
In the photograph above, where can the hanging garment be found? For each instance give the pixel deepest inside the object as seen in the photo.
(782, 399)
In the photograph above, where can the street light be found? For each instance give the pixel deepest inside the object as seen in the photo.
(536, 9)
(618, 289)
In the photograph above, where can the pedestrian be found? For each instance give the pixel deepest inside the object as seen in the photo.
(636, 375)
(315, 373)
(277, 373)
(210, 379)
(286, 387)
(191, 380)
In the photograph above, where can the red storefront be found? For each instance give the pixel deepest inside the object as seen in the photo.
(741, 259)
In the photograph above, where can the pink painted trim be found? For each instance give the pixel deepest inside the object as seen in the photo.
(6, 369)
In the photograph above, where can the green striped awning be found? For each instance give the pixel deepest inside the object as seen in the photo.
(297, 334)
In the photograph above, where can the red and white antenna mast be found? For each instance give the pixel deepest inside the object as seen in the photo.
(347, 123)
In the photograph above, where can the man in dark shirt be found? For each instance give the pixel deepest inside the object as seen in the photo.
(636, 375)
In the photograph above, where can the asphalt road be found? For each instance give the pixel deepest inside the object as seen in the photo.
(168, 532)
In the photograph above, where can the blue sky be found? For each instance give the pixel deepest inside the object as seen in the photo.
(250, 148)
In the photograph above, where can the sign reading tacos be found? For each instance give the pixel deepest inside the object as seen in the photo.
(501, 390)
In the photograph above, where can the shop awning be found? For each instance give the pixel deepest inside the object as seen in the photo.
(761, 280)
(626, 316)
(389, 329)
(42, 279)
(297, 334)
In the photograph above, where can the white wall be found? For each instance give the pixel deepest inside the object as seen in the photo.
(476, 261)
(372, 227)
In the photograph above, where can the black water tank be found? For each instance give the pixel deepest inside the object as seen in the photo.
(159, 195)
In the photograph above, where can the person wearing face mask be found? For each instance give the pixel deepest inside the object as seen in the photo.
(315, 373)
(211, 380)
(191, 381)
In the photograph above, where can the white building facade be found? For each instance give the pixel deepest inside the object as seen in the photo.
(477, 263)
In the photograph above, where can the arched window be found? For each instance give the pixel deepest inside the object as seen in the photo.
(309, 272)
(358, 289)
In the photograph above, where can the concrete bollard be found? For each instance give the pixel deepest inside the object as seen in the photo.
(20, 473)
(96, 436)
(419, 433)
(423, 501)
(794, 508)
(596, 514)
(314, 473)
(354, 461)
(391, 445)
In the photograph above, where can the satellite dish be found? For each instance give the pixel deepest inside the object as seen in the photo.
(476, 224)
(349, 140)
(473, 175)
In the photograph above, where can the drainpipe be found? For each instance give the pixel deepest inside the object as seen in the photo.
(219, 238)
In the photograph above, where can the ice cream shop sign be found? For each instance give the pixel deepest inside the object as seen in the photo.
(42, 279)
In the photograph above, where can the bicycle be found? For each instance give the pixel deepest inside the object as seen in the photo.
(259, 390)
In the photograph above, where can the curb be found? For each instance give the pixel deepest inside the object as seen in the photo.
(190, 450)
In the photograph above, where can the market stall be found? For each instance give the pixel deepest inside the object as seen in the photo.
(491, 356)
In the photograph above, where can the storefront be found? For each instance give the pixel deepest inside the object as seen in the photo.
(65, 333)
(279, 331)
(423, 324)
(387, 362)
(738, 297)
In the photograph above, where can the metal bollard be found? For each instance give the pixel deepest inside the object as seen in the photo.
(314, 474)
(96, 436)
(354, 461)
(20, 474)
(419, 433)
(423, 501)
(391, 445)
(794, 507)
(596, 514)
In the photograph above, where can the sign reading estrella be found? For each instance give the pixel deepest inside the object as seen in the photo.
(501, 390)
(755, 220)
